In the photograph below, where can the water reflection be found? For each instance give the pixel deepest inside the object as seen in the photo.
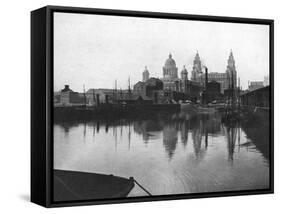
(168, 153)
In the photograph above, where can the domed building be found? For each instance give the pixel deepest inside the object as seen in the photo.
(170, 70)
(170, 75)
(172, 83)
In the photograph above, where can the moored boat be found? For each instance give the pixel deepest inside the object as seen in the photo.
(73, 185)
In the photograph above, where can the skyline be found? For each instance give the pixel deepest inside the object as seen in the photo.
(86, 52)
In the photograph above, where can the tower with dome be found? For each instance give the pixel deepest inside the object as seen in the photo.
(170, 70)
(170, 75)
(145, 74)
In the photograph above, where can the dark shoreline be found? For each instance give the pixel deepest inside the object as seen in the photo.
(107, 111)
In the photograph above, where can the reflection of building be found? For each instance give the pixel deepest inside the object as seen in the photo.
(225, 79)
(184, 126)
(173, 127)
(146, 128)
(170, 138)
(231, 134)
(197, 133)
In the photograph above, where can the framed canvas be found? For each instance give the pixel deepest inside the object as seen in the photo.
(131, 106)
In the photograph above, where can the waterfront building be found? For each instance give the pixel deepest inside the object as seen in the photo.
(184, 74)
(266, 80)
(70, 98)
(56, 97)
(184, 81)
(100, 95)
(170, 75)
(196, 73)
(212, 92)
(139, 88)
(254, 85)
(175, 86)
(145, 74)
(170, 86)
(172, 83)
(96, 97)
(225, 79)
(152, 89)
(256, 98)
(231, 77)
(193, 91)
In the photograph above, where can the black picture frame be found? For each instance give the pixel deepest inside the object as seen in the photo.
(42, 105)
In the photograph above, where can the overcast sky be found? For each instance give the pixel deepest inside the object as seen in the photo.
(96, 50)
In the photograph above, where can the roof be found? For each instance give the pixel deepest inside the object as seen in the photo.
(99, 90)
(257, 90)
(139, 83)
(214, 82)
(66, 90)
(128, 96)
(170, 62)
(153, 81)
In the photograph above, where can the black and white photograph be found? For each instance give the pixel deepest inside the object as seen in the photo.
(146, 107)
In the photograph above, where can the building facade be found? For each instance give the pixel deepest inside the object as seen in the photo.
(145, 74)
(170, 75)
(266, 81)
(68, 97)
(256, 98)
(151, 89)
(196, 73)
(226, 79)
(254, 85)
(212, 92)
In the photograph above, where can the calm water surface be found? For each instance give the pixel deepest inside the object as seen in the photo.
(167, 154)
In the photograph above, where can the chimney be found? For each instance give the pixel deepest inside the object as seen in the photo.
(206, 77)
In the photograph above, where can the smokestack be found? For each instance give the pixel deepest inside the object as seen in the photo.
(206, 77)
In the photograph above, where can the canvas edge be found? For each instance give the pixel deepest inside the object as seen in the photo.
(49, 94)
(38, 152)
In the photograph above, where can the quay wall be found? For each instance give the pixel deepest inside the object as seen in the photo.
(110, 111)
(257, 98)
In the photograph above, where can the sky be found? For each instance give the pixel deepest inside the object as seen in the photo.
(97, 50)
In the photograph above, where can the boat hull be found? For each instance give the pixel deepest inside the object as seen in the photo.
(73, 186)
